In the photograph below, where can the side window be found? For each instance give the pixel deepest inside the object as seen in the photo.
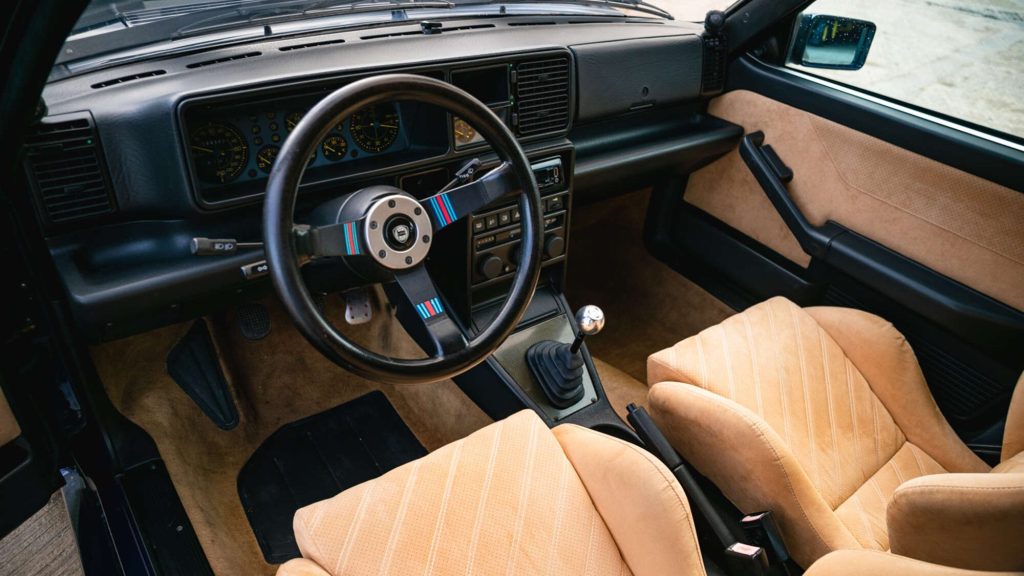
(962, 58)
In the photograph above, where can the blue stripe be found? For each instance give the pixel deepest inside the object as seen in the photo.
(355, 238)
(451, 209)
(424, 313)
(437, 305)
(437, 210)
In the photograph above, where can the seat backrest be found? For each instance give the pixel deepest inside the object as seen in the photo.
(1013, 434)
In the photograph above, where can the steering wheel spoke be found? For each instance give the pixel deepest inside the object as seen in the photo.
(331, 240)
(418, 288)
(444, 208)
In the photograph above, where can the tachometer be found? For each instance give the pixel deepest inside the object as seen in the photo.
(292, 120)
(219, 152)
(266, 156)
(333, 148)
(375, 128)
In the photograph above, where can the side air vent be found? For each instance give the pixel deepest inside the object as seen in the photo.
(291, 47)
(542, 96)
(223, 60)
(123, 79)
(713, 68)
(66, 169)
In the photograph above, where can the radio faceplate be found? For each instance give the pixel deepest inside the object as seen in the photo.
(495, 233)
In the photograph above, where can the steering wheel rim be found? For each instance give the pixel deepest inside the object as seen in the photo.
(280, 239)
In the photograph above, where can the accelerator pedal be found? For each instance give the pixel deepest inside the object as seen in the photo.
(253, 320)
(194, 365)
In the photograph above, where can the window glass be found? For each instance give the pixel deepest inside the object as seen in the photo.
(691, 10)
(963, 58)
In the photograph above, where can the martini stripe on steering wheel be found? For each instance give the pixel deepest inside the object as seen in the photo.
(429, 308)
(351, 239)
(444, 212)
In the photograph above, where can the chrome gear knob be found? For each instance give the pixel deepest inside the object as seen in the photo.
(590, 320)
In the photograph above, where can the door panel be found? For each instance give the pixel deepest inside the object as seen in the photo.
(958, 224)
(9, 429)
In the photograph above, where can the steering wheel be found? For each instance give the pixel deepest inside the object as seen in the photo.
(389, 232)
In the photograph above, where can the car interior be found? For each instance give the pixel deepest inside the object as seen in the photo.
(311, 288)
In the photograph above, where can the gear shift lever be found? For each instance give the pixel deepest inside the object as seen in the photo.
(559, 366)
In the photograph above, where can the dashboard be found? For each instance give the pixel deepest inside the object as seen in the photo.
(133, 162)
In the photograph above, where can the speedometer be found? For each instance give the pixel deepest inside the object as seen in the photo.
(219, 152)
(375, 128)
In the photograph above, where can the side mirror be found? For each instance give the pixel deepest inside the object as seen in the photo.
(831, 42)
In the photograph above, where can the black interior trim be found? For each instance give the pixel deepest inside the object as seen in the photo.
(972, 154)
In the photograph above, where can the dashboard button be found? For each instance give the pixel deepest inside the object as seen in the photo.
(504, 218)
(479, 225)
(555, 204)
(492, 221)
(516, 215)
(484, 241)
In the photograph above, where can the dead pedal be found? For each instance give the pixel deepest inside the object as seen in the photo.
(193, 364)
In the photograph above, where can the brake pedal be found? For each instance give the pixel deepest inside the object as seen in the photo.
(253, 320)
(357, 306)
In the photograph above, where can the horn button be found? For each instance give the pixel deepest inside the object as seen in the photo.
(398, 231)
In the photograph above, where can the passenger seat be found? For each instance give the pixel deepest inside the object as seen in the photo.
(822, 415)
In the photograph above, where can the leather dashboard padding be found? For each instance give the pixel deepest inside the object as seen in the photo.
(619, 76)
(9, 429)
(955, 223)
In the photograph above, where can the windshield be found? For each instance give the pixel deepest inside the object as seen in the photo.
(105, 16)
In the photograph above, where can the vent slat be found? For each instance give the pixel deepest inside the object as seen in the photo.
(542, 95)
(215, 61)
(123, 79)
(67, 170)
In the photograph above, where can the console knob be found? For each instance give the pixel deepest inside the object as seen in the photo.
(554, 246)
(490, 266)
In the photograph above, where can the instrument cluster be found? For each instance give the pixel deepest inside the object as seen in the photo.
(245, 145)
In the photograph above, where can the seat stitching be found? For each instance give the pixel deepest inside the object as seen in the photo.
(524, 500)
(562, 484)
(808, 415)
(590, 538)
(728, 362)
(753, 364)
(439, 523)
(312, 540)
(831, 409)
(703, 361)
(353, 529)
(779, 372)
(484, 493)
(399, 521)
(853, 416)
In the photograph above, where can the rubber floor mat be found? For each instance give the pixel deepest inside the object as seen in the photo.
(316, 458)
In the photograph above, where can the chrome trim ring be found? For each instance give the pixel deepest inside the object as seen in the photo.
(379, 214)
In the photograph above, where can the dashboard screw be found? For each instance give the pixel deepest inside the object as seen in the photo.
(382, 254)
(391, 203)
(408, 259)
(426, 239)
(373, 225)
(417, 211)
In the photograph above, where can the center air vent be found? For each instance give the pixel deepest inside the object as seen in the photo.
(66, 169)
(542, 96)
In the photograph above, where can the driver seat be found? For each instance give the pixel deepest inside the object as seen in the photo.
(513, 498)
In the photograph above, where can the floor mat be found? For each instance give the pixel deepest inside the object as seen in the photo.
(316, 458)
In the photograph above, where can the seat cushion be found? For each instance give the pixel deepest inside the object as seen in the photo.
(512, 498)
(861, 562)
(828, 413)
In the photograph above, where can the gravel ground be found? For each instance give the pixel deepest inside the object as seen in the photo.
(963, 58)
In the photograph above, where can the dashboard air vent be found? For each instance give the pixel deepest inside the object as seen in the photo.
(291, 47)
(123, 79)
(223, 60)
(542, 96)
(420, 32)
(66, 169)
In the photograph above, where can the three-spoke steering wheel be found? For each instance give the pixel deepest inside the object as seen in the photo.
(391, 231)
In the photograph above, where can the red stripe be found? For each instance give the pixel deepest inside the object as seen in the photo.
(348, 239)
(430, 307)
(444, 209)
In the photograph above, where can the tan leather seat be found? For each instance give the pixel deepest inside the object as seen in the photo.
(512, 498)
(823, 416)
